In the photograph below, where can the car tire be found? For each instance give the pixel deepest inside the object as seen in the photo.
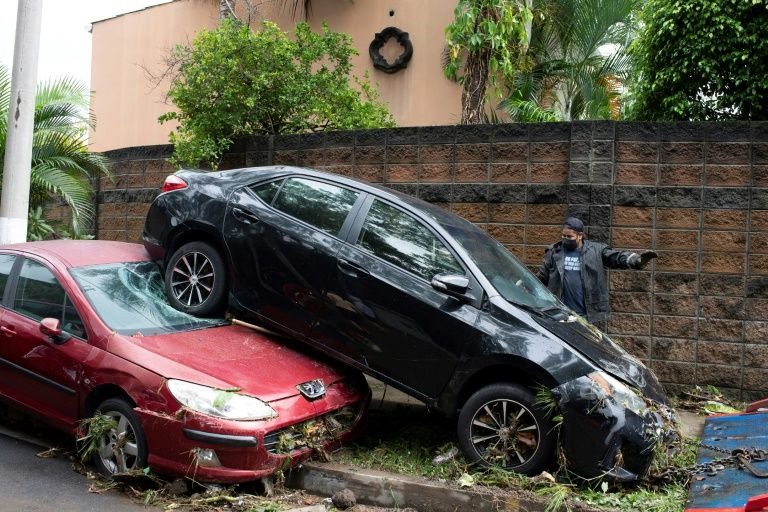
(123, 448)
(501, 426)
(196, 279)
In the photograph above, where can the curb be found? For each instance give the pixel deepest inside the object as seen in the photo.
(383, 489)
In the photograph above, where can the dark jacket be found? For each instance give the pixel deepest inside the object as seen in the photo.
(596, 258)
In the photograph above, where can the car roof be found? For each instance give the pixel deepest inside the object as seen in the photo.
(81, 253)
(239, 177)
(245, 175)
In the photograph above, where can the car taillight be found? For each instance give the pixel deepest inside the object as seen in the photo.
(173, 182)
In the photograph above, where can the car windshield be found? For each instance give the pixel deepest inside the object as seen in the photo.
(129, 298)
(509, 277)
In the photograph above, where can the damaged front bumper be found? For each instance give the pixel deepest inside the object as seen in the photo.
(209, 449)
(609, 430)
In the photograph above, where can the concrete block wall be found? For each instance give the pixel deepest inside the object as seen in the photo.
(695, 192)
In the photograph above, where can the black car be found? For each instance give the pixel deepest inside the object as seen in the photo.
(417, 297)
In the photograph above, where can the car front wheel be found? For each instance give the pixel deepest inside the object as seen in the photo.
(500, 426)
(195, 279)
(121, 447)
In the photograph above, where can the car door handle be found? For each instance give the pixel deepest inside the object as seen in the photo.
(244, 216)
(8, 331)
(351, 269)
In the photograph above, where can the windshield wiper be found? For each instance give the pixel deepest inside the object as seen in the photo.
(544, 311)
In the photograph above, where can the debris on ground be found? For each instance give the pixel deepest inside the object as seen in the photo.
(446, 456)
(178, 487)
(407, 441)
(343, 499)
(709, 401)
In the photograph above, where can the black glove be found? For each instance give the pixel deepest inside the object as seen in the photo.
(639, 261)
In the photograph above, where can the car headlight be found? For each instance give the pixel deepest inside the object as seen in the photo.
(219, 402)
(620, 392)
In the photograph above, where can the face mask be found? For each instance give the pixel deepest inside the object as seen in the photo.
(570, 244)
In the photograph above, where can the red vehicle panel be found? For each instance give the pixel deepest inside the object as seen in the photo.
(190, 397)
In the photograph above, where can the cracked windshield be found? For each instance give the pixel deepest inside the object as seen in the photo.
(129, 298)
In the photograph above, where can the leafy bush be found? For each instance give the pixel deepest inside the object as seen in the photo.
(234, 82)
(702, 60)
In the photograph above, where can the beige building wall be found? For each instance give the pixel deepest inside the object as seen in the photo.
(127, 104)
(419, 95)
(125, 101)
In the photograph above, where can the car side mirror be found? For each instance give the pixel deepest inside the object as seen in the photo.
(454, 285)
(51, 327)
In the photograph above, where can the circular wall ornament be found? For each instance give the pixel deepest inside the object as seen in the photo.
(381, 38)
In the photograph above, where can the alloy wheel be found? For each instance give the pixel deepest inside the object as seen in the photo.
(192, 279)
(118, 448)
(504, 432)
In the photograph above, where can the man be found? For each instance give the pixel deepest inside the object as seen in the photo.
(574, 270)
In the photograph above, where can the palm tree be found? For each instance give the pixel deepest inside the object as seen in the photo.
(62, 167)
(578, 61)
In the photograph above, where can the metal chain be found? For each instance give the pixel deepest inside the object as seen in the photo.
(740, 458)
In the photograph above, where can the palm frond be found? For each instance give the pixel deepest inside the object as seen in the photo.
(5, 101)
(75, 191)
(526, 111)
(62, 167)
(62, 90)
(575, 77)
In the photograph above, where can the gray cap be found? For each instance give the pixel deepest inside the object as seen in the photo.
(574, 224)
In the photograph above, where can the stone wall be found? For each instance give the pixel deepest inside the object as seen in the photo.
(696, 193)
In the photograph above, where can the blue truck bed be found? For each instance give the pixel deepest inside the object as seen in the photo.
(732, 489)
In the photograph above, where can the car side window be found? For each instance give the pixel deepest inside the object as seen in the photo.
(397, 237)
(267, 191)
(39, 295)
(322, 205)
(6, 264)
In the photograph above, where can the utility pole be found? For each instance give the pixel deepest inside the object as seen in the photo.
(14, 203)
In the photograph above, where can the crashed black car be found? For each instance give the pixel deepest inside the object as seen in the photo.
(417, 297)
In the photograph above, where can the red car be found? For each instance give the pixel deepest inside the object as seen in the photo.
(86, 327)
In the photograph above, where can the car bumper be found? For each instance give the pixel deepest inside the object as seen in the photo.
(214, 450)
(610, 435)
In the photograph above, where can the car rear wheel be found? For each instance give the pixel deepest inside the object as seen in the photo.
(500, 426)
(195, 279)
(123, 447)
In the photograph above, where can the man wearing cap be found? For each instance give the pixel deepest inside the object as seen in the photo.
(574, 269)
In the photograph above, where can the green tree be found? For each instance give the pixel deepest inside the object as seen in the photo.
(234, 82)
(577, 61)
(702, 60)
(62, 166)
(485, 41)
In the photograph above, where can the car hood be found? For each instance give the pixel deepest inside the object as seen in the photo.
(226, 357)
(603, 352)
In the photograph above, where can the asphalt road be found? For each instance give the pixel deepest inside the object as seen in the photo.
(29, 483)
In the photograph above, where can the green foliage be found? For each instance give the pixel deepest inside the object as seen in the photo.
(62, 166)
(234, 82)
(37, 227)
(94, 430)
(577, 61)
(702, 60)
(486, 40)
(266, 506)
(546, 400)
(557, 497)
(496, 26)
